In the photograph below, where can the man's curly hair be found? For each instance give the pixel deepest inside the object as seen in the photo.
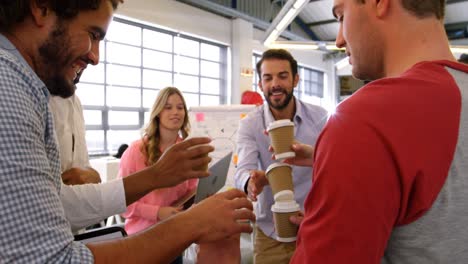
(13, 12)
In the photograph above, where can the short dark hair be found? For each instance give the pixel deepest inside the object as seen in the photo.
(463, 58)
(280, 54)
(13, 12)
(423, 8)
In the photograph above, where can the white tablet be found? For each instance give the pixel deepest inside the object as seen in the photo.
(217, 179)
(209, 185)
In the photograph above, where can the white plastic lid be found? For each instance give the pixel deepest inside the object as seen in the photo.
(280, 123)
(285, 155)
(284, 195)
(285, 207)
(286, 239)
(276, 164)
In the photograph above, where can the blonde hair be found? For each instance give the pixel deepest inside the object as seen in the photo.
(151, 135)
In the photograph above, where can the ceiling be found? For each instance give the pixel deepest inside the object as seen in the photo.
(316, 22)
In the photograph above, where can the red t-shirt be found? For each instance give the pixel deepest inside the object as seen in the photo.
(381, 161)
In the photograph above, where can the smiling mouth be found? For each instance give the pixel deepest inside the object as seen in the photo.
(79, 66)
(277, 94)
(78, 70)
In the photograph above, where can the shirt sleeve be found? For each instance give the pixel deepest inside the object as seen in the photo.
(192, 184)
(354, 200)
(247, 153)
(129, 165)
(139, 209)
(88, 204)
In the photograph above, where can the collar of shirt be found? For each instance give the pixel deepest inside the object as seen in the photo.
(297, 119)
(6, 45)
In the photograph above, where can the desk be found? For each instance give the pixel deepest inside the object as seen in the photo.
(108, 167)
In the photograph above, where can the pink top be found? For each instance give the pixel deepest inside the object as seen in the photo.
(144, 212)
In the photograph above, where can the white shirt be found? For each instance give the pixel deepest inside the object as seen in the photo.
(87, 204)
(70, 130)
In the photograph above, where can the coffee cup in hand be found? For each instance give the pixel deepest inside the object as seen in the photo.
(281, 134)
(279, 177)
(282, 211)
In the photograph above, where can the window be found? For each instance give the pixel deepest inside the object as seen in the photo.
(136, 61)
(310, 86)
(255, 58)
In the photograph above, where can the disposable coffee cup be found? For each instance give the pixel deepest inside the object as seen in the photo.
(285, 230)
(279, 176)
(203, 167)
(281, 134)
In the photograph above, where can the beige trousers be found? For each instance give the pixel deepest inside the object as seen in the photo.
(270, 251)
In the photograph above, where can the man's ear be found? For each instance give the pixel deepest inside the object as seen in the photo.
(39, 12)
(260, 85)
(382, 7)
(296, 80)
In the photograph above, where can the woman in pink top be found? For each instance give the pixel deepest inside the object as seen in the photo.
(168, 125)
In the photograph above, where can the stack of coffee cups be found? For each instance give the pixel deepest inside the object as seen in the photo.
(279, 176)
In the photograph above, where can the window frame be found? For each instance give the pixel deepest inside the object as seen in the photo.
(139, 107)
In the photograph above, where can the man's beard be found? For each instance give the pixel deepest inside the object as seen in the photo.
(54, 60)
(279, 106)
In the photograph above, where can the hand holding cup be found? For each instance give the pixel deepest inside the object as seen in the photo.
(286, 231)
(281, 134)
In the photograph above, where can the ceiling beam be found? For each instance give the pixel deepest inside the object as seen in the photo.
(304, 26)
(455, 1)
(321, 22)
(231, 13)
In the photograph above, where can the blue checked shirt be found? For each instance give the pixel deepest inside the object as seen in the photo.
(33, 224)
(253, 154)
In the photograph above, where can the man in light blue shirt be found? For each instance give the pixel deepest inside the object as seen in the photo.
(278, 77)
(43, 45)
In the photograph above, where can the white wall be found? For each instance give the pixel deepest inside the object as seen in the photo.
(241, 46)
(239, 35)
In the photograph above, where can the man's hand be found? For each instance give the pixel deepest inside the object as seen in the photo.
(179, 163)
(75, 176)
(224, 251)
(221, 216)
(297, 219)
(168, 211)
(256, 183)
(304, 155)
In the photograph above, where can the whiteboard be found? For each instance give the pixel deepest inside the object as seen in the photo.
(220, 123)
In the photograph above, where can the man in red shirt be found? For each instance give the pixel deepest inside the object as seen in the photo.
(390, 167)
